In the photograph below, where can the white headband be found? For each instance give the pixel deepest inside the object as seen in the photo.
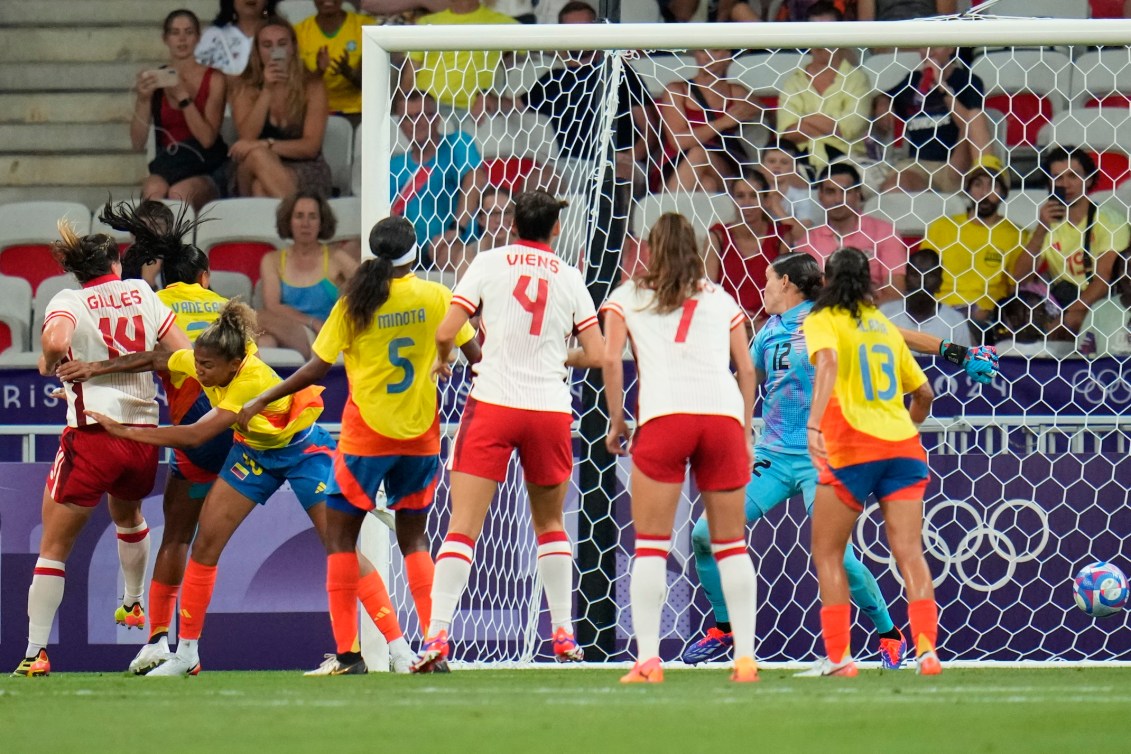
(407, 258)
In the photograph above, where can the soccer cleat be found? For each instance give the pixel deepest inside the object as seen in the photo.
(175, 665)
(333, 666)
(434, 655)
(928, 664)
(648, 671)
(150, 656)
(33, 667)
(745, 670)
(846, 668)
(892, 652)
(130, 616)
(566, 648)
(716, 645)
(401, 664)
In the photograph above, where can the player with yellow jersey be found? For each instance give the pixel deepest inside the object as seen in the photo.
(865, 442)
(385, 326)
(280, 444)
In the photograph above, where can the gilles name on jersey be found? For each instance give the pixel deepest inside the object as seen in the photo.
(122, 300)
(534, 259)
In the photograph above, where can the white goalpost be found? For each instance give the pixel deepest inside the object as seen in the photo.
(1030, 475)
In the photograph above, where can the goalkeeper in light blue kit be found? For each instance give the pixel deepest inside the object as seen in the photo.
(782, 467)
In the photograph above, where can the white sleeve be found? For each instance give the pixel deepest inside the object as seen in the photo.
(468, 293)
(735, 315)
(584, 313)
(63, 304)
(162, 315)
(618, 299)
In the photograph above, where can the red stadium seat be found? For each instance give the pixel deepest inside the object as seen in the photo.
(1115, 99)
(32, 262)
(1106, 8)
(5, 337)
(506, 172)
(243, 257)
(1112, 169)
(1025, 114)
(236, 233)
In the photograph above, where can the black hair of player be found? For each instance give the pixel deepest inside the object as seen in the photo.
(675, 268)
(535, 215)
(803, 271)
(158, 235)
(368, 289)
(85, 257)
(848, 282)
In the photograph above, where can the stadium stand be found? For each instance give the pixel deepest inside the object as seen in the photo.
(27, 230)
(237, 233)
(15, 311)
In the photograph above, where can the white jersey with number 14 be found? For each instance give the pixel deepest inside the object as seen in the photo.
(112, 318)
(683, 356)
(532, 301)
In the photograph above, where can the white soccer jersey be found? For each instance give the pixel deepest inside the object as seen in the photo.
(682, 357)
(112, 318)
(532, 303)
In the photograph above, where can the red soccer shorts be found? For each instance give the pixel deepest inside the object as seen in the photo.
(91, 463)
(714, 445)
(489, 433)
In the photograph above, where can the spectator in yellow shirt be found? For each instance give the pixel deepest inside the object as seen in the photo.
(980, 250)
(455, 77)
(330, 45)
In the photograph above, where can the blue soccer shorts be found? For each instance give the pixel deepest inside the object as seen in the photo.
(410, 482)
(307, 463)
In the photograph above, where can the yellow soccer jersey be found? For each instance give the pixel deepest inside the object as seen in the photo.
(977, 260)
(1064, 245)
(278, 423)
(342, 96)
(874, 369)
(457, 77)
(389, 364)
(196, 307)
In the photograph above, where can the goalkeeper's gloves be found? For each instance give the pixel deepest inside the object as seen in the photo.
(980, 362)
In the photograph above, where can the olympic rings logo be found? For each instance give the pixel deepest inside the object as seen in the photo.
(979, 533)
(1105, 386)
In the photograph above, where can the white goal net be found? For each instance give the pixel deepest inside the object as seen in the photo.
(941, 164)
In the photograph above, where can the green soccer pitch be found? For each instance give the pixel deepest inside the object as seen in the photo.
(968, 711)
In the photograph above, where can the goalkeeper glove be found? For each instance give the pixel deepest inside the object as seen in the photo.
(980, 362)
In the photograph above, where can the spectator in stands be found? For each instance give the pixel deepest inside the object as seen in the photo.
(791, 187)
(739, 254)
(434, 183)
(301, 282)
(789, 10)
(920, 309)
(1107, 327)
(330, 45)
(280, 114)
(980, 250)
(398, 11)
(1025, 322)
(944, 125)
(840, 192)
(702, 119)
(227, 44)
(1076, 241)
(901, 10)
(490, 229)
(825, 105)
(454, 78)
(184, 101)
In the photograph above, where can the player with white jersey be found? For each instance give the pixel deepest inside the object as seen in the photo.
(531, 302)
(106, 318)
(686, 333)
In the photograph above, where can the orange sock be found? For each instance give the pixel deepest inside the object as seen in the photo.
(162, 604)
(924, 618)
(195, 595)
(836, 627)
(375, 597)
(420, 569)
(341, 589)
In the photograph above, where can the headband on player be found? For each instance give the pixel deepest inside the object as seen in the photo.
(408, 257)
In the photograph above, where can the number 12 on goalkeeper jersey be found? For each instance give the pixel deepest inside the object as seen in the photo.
(532, 302)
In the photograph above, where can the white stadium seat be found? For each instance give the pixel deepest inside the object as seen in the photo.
(657, 71)
(1097, 74)
(15, 311)
(912, 213)
(231, 285)
(765, 73)
(236, 233)
(347, 210)
(1097, 128)
(1041, 8)
(337, 149)
(296, 10)
(887, 69)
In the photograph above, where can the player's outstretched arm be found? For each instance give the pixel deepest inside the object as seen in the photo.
(612, 370)
(980, 362)
(183, 436)
(142, 361)
(308, 374)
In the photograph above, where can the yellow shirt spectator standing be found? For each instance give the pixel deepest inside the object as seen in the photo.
(979, 248)
(455, 77)
(330, 43)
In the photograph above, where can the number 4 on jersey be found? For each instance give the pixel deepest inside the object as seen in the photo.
(535, 306)
(118, 340)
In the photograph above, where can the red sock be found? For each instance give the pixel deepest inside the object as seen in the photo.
(195, 595)
(420, 569)
(375, 597)
(341, 589)
(836, 627)
(162, 604)
(924, 618)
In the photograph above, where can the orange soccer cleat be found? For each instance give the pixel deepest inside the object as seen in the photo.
(647, 671)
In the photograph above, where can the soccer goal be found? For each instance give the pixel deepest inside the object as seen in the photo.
(1029, 475)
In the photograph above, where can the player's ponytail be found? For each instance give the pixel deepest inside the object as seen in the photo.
(675, 268)
(393, 243)
(848, 282)
(232, 332)
(85, 257)
(158, 235)
(803, 271)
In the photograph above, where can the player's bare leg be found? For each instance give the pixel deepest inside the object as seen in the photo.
(903, 523)
(412, 539)
(555, 565)
(832, 527)
(726, 520)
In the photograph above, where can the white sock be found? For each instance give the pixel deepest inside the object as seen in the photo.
(133, 554)
(43, 598)
(188, 649)
(453, 568)
(399, 649)
(740, 590)
(555, 567)
(648, 590)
